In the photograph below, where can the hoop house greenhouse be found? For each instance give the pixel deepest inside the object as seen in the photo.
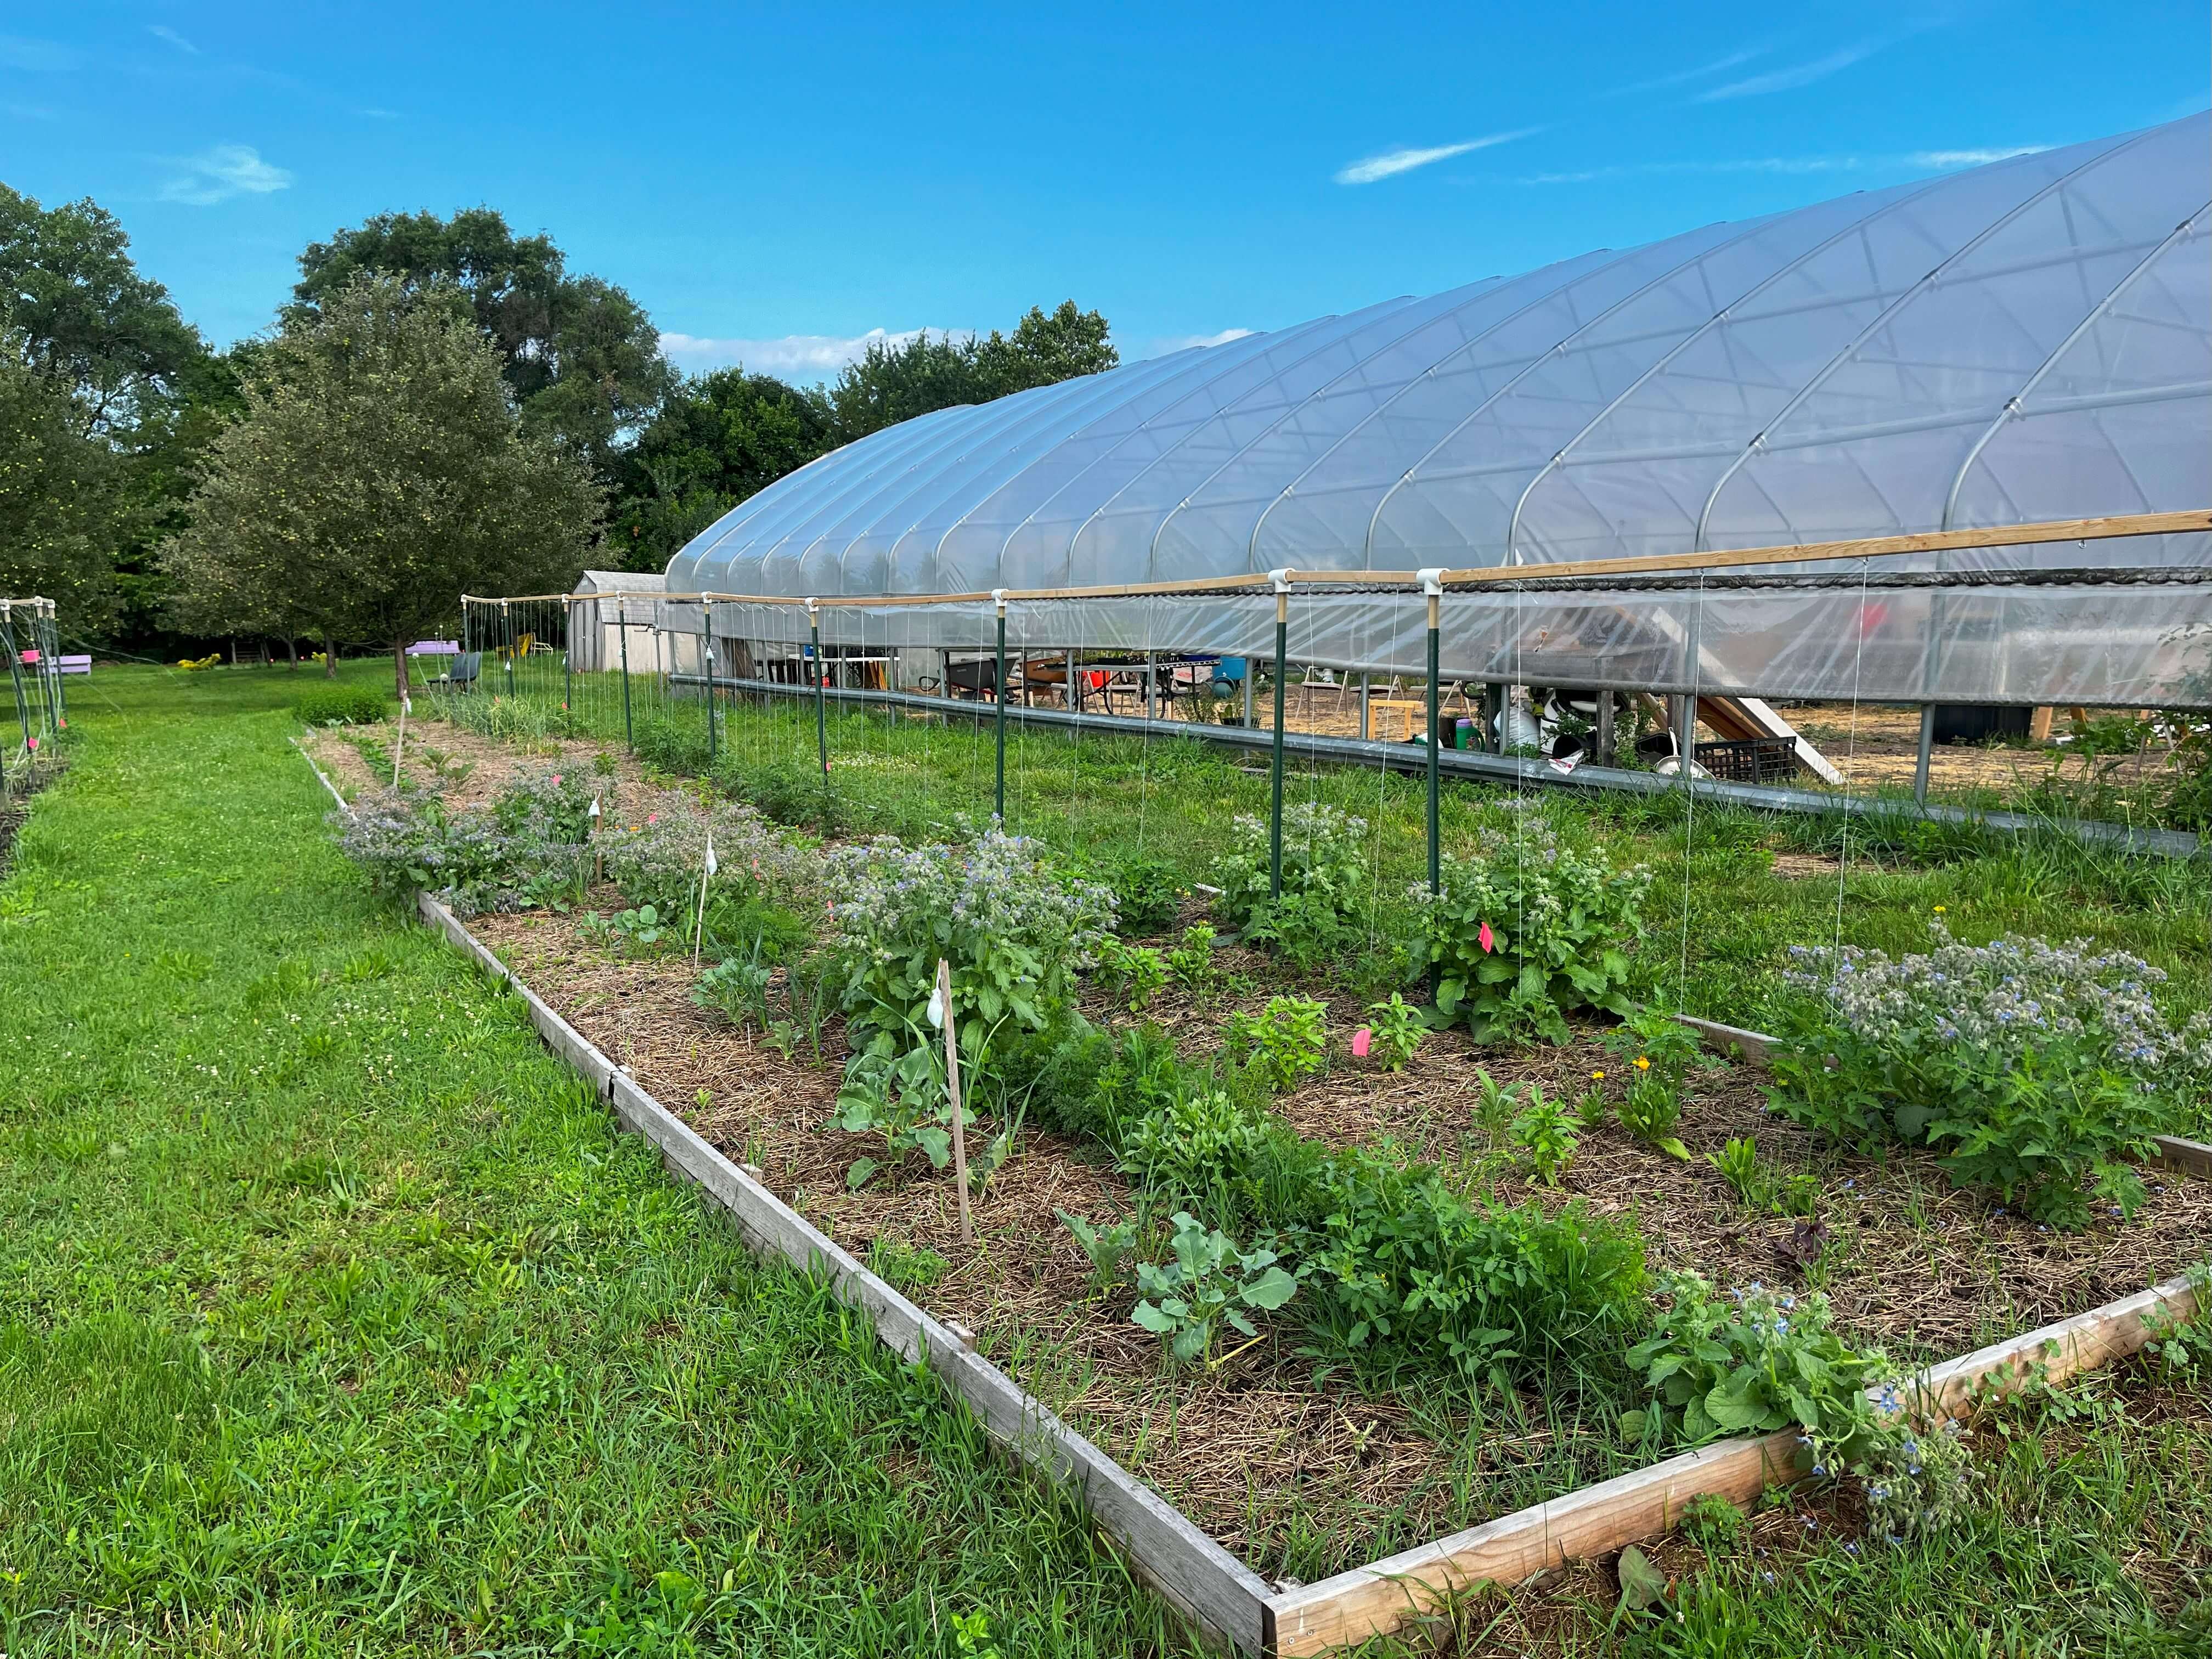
(2023, 342)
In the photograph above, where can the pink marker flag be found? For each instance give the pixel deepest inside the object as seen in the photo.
(1483, 938)
(1360, 1040)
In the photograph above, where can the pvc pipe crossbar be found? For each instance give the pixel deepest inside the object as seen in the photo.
(1414, 757)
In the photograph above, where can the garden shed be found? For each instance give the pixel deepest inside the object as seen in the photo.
(596, 629)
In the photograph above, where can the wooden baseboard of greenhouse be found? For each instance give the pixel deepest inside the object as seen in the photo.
(1193, 1573)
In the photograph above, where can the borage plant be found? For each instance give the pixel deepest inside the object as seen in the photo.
(2033, 1071)
(1529, 930)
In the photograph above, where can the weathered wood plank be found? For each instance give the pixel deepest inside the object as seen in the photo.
(1598, 1520)
(1193, 1573)
(1377, 1599)
(1754, 1046)
(2192, 1156)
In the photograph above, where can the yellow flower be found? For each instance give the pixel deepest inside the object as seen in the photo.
(1597, 1076)
(1642, 1064)
(1940, 909)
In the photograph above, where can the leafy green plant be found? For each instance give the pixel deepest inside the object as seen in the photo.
(1015, 928)
(738, 990)
(1135, 973)
(1395, 1032)
(906, 1267)
(1760, 1361)
(1651, 1108)
(1191, 964)
(342, 705)
(1496, 1103)
(1108, 1245)
(1738, 1165)
(641, 925)
(1147, 893)
(1404, 1274)
(899, 1094)
(1204, 1146)
(1207, 1280)
(1548, 1131)
(1284, 1043)
(1529, 930)
(1324, 868)
(2033, 1071)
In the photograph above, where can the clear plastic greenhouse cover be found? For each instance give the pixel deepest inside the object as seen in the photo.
(2029, 340)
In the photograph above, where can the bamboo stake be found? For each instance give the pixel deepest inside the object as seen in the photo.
(952, 1087)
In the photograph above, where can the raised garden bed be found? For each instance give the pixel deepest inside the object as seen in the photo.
(1292, 1471)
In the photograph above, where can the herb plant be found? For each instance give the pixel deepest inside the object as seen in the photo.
(1326, 880)
(1395, 1032)
(1286, 1043)
(1207, 1280)
(1108, 1245)
(1135, 973)
(1548, 1131)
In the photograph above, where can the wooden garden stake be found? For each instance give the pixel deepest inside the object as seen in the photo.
(705, 875)
(952, 1087)
(399, 746)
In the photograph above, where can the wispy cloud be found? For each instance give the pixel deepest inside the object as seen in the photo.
(1920, 161)
(40, 56)
(1798, 75)
(377, 113)
(163, 32)
(801, 357)
(1944, 159)
(1391, 162)
(218, 173)
(1682, 77)
(1170, 343)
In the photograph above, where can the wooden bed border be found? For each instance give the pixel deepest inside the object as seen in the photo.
(1219, 1593)
(1193, 1574)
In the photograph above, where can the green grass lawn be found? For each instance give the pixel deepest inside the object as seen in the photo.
(335, 1317)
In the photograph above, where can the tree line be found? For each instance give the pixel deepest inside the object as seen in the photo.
(441, 407)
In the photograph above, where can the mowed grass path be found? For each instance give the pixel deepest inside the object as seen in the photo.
(334, 1318)
(334, 1315)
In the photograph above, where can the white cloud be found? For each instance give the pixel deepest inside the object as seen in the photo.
(42, 57)
(222, 172)
(1395, 161)
(1943, 158)
(377, 113)
(1718, 66)
(802, 357)
(1168, 343)
(162, 32)
(1798, 75)
(1930, 160)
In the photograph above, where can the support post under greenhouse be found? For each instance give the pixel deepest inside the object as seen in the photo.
(622, 634)
(999, 696)
(1275, 771)
(1927, 753)
(821, 702)
(707, 660)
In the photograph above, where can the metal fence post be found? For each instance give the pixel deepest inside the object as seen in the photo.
(1432, 584)
(998, 795)
(1927, 753)
(1282, 580)
(568, 656)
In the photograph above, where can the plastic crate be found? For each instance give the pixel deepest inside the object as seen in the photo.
(1750, 760)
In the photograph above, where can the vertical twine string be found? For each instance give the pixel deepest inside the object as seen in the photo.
(1851, 781)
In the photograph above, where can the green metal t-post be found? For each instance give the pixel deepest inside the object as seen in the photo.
(821, 698)
(1436, 851)
(707, 659)
(999, 695)
(568, 657)
(1275, 787)
(622, 634)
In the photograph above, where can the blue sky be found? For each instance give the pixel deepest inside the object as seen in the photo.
(775, 183)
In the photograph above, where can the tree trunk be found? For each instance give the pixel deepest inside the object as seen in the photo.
(330, 656)
(293, 646)
(399, 669)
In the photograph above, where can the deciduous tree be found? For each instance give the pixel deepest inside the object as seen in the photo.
(379, 471)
